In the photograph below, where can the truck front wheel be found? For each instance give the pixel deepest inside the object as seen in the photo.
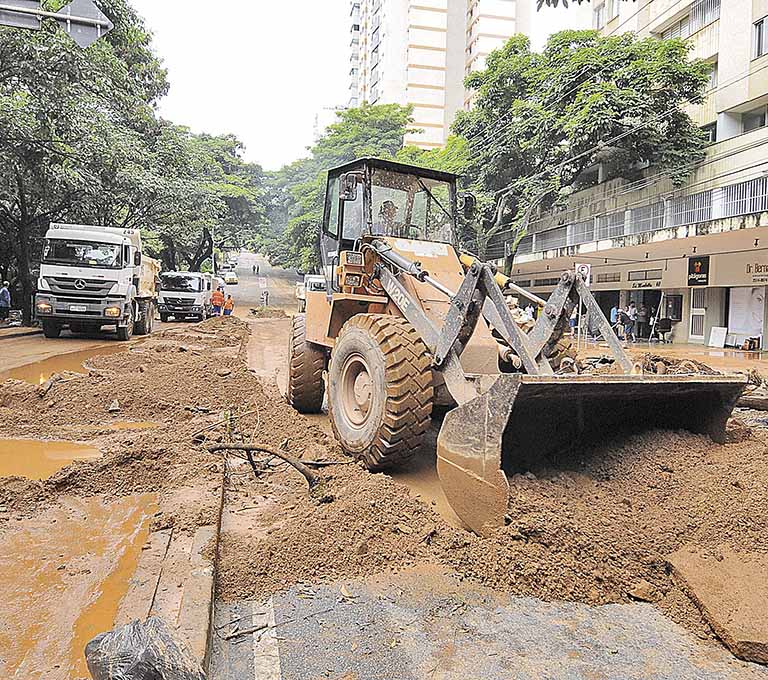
(146, 316)
(125, 333)
(51, 329)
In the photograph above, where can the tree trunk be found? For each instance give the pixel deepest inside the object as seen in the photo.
(204, 252)
(26, 282)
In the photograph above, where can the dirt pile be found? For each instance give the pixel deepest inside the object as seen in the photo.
(595, 528)
(268, 313)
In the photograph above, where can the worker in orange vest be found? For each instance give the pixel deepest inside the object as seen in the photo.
(229, 306)
(217, 301)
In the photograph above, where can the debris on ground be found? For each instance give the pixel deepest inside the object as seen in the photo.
(593, 526)
(731, 590)
(268, 313)
(141, 651)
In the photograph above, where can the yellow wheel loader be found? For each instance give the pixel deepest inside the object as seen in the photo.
(409, 322)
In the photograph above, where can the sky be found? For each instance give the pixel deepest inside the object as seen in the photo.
(261, 69)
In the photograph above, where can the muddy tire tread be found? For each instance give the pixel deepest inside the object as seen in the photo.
(409, 391)
(306, 387)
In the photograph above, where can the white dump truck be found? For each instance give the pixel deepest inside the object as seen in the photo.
(185, 295)
(92, 277)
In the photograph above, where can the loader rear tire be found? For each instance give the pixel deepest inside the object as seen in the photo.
(380, 390)
(306, 387)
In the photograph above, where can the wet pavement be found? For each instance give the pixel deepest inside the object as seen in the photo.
(39, 371)
(63, 575)
(40, 459)
(426, 624)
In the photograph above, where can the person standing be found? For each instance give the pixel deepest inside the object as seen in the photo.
(615, 319)
(217, 301)
(229, 306)
(5, 301)
(642, 321)
(629, 331)
(530, 312)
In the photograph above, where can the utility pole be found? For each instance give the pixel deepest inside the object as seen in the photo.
(82, 20)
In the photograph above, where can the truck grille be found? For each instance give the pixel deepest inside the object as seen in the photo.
(79, 287)
(179, 302)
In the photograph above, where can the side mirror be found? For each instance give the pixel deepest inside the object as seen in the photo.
(348, 189)
(137, 258)
(467, 205)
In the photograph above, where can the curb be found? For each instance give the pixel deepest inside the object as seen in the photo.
(21, 334)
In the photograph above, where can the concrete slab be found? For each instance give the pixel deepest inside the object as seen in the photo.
(429, 625)
(731, 590)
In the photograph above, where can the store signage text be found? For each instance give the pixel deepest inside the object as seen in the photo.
(698, 271)
(759, 272)
(647, 284)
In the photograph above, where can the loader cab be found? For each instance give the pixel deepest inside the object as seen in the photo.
(383, 198)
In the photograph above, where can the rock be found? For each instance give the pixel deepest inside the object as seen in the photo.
(642, 591)
(362, 548)
(51, 404)
(3, 509)
(731, 590)
(183, 348)
(529, 475)
(223, 372)
(403, 529)
(114, 407)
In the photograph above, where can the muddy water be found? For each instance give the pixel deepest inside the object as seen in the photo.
(38, 372)
(63, 575)
(40, 459)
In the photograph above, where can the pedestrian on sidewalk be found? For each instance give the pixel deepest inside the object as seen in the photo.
(253, 269)
(629, 328)
(5, 301)
(642, 321)
(258, 269)
(229, 306)
(622, 323)
(217, 301)
(615, 320)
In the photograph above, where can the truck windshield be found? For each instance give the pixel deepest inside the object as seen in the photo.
(409, 206)
(82, 253)
(179, 283)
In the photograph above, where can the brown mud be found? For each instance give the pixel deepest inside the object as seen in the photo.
(40, 459)
(594, 527)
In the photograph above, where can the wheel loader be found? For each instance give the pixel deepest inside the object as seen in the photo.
(409, 322)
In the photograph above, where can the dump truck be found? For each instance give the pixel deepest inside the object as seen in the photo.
(91, 277)
(185, 295)
(409, 322)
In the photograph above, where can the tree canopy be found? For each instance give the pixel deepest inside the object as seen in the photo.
(80, 141)
(588, 106)
(299, 188)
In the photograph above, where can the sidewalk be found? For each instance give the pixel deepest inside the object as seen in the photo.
(720, 359)
(18, 331)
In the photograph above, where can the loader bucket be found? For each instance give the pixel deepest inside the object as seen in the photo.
(522, 420)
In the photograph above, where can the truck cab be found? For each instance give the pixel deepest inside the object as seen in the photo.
(185, 295)
(93, 276)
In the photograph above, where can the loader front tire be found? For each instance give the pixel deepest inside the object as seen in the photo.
(380, 390)
(306, 387)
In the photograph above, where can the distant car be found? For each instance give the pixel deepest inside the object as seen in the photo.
(230, 278)
(227, 267)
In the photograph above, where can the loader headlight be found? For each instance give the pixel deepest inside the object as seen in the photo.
(353, 280)
(44, 308)
(113, 312)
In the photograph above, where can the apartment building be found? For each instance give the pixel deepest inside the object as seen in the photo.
(697, 253)
(418, 52)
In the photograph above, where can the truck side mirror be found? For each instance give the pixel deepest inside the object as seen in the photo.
(467, 205)
(136, 258)
(348, 189)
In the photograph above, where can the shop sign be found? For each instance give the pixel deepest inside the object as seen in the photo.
(758, 272)
(698, 271)
(646, 284)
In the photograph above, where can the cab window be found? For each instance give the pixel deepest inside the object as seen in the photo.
(332, 207)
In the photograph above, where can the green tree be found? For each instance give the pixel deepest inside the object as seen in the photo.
(543, 123)
(57, 105)
(299, 188)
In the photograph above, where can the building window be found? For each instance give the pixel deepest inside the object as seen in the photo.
(679, 29)
(703, 13)
(752, 120)
(760, 43)
(610, 226)
(612, 277)
(713, 77)
(546, 282)
(646, 275)
(613, 9)
(598, 16)
(710, 132)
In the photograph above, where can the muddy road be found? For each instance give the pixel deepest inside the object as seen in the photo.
(111, 512)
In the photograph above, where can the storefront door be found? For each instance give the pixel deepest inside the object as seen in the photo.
(698, 314)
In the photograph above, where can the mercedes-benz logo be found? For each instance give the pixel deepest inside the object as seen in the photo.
(80, 284)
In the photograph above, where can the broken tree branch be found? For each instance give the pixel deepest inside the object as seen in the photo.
(312, 479)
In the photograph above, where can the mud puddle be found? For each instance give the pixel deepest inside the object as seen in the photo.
(40, 459)
(39, 371)
(63, 576)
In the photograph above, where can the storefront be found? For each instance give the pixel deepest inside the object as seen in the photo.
(701, 283)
